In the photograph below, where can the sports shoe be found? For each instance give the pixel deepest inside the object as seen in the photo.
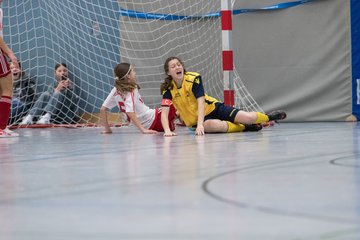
(44, 120)
(252, 127)
(7, 133)
(276, 115)
(27, 120)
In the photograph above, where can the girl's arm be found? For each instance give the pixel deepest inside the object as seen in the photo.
(137, 123)
(201, 114)
(104, 120)
(165, 121)
(59, 86)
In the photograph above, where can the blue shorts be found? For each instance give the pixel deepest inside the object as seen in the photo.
(222, 112)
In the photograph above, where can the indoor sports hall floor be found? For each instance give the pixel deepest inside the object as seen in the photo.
(293, 181)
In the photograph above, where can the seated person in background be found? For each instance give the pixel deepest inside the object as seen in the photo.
(58, 104)
(23, 93)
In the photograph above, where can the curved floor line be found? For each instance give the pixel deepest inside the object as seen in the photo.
(205, 188)
(337, 161)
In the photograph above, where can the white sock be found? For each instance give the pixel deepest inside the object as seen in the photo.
(47, 116)
(29, 116)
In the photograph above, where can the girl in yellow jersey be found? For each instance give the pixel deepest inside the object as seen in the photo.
(204, 113)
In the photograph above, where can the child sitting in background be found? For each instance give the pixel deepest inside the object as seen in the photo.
(23, 93)
(58, 103)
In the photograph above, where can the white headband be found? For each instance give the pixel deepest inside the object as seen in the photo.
(117, 78)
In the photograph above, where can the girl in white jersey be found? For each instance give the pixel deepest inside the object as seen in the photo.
(6, 84)
(113, 100)
(126, 96)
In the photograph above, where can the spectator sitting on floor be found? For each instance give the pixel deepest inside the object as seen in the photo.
(58, 104)
(23, 93)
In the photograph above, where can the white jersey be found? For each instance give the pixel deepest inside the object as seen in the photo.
(131, 102)
(114, 99)
(1, 23)
(135, 104)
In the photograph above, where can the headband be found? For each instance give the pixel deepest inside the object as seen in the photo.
(117, 78)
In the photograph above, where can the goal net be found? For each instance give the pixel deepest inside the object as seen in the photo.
(91, 37)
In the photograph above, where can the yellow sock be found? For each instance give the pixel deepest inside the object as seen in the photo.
(261, 117)
(233, 127)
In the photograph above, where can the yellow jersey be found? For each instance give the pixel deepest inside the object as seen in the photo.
(185, 98)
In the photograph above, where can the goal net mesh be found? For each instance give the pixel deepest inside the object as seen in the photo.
(91, 37)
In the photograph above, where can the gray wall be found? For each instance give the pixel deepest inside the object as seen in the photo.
(297, 59)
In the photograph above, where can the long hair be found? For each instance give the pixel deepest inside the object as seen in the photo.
(167, 84)
(121, 71)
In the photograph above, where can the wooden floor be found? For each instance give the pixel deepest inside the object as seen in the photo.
(293, 181)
